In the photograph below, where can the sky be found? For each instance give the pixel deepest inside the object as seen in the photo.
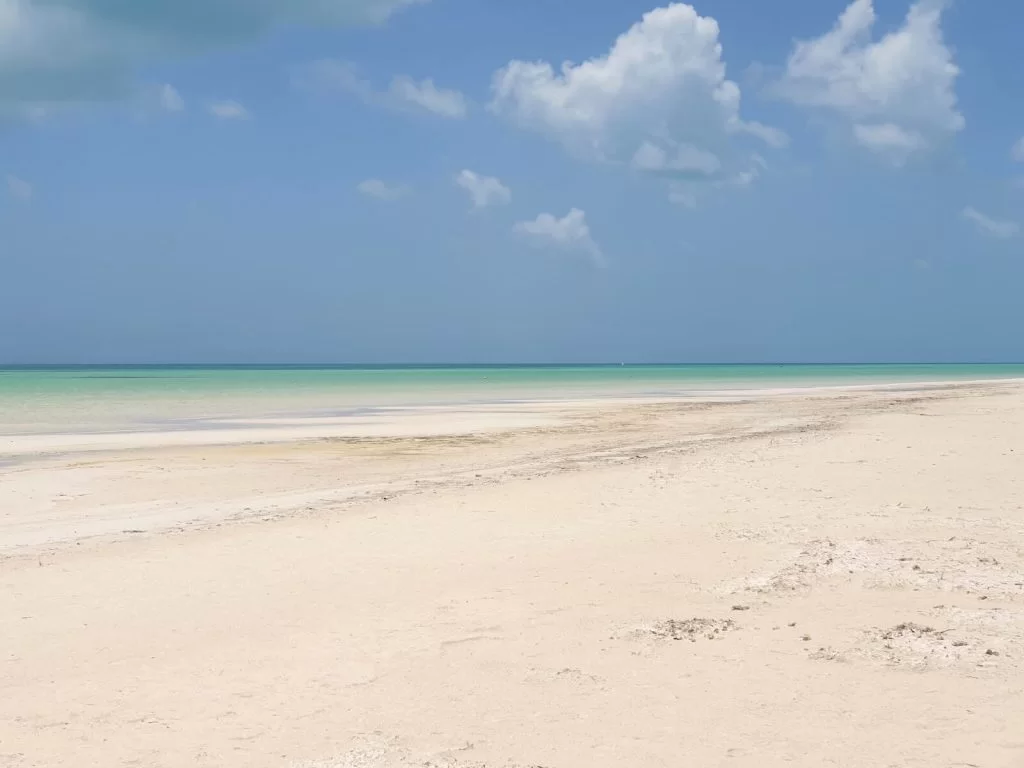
(478, 181)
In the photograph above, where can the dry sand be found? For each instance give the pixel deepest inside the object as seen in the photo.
(823, 579)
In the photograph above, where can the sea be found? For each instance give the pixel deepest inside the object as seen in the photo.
(101, 398)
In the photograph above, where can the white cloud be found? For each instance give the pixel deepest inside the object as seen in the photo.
(403, 93)
(383, 191)
(570, 233)
(1003, 230)
(228, 110)
(685, 160)
(170, 99)
(19, 188)
(898, 94)
(58, 52)
(425, 94)
(887, 137)
(685, 192)
(1017, 152)
(484, 190)
(659, 99)
(773, 137)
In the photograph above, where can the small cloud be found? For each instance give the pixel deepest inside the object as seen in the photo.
(570, 233)
(228, 110)
(773, 137)
(171, 100)
(484, 190)
(404, 94)
(745, 178)
(1017, 152)
(921, 265)
(426, 95)
(888, 138)
(381, 190)
(685, 161)
(1002, 230)
(19, 188)
(686, 191)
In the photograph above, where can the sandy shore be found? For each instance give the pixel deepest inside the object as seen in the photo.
(826, 578)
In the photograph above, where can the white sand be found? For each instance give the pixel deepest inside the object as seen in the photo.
(822, 579)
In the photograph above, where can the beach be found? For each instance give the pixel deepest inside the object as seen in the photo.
(825, 575)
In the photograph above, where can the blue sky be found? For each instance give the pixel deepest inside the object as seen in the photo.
(391, 180)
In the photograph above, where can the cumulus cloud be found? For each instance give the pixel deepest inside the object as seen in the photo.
(228, 110)
(55, 52)
(658, 100)
(997, 228)
(404, 93)
(897, 94)
(171, 100)
(19, 188)
(570, 233)
(381, 190)
(484, 190)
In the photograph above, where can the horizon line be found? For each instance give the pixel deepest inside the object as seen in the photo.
(437, 364)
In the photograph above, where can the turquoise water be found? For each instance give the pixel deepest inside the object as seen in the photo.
(67, 398)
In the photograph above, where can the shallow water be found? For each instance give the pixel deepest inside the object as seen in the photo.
(116, 398)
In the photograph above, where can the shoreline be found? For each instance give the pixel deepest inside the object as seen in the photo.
(68, 489)
(419, 420)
